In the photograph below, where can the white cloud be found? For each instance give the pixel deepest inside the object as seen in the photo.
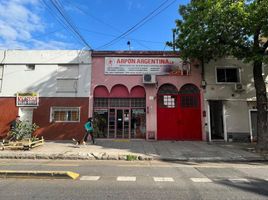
(19, 20)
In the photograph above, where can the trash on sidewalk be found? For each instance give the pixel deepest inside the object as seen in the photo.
(24, 144)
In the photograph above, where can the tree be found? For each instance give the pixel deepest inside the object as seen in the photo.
(210, 29)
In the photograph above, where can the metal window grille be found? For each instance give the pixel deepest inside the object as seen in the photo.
(101, 102)
(119, 102)
(167, 101)
(189, 101)
(138, 102)
(65, 114)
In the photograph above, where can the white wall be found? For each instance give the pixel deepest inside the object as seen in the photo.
(43, 79)
(223, 91)
(237, 117)
(236, 104)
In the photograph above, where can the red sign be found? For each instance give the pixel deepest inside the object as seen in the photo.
(27, 99)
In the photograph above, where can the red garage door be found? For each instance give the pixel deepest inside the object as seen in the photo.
(179, 113)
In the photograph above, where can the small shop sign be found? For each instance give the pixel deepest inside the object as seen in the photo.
(27, 99)
(137, 66)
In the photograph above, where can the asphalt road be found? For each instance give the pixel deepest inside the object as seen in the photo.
(122, 180)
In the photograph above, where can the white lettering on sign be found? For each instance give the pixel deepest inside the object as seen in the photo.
(27, 99)
(137, 66)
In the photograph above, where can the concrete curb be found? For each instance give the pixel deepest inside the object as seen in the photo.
(127, 157)
(39, 174)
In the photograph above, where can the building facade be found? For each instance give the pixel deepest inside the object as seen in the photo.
(146, 94)
(230, 100)
(49, 88)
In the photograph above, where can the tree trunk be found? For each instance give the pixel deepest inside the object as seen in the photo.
(262, 134)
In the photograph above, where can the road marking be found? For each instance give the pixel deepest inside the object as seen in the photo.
(126, 178)
(201, 180)
(266, 179)
(89, 178)
(163, 179)
(62, 165)
(237, 180)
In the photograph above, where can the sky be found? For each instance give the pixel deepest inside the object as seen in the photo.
(88, 24)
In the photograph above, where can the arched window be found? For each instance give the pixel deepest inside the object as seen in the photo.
(101, 91)
(101, 95)
(119, 91)
(189, 96)
(167, 89)
(189, 89)
(167, 96)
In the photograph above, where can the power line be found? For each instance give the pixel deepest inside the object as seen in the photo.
(95, 18)
(62, 17)
(68, 20)
(140, 23)
(63, 23)
(111, 35)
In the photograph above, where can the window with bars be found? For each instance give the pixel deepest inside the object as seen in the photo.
(189, 101)
(65, 114)
(119, 102)
(101, 102)
(138, 103)
(167, 101)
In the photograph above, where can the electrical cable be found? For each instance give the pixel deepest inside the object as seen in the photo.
(58, 6)
(139, 24)
(65, 26)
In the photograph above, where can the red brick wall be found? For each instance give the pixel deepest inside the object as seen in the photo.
(8, 112)
(60, 130)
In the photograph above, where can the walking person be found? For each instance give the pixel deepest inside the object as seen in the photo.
(89, 131)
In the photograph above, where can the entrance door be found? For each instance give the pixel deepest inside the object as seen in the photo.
(179, 113)
(122, 123)
(216, 120)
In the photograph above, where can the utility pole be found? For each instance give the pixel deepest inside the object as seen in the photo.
(173, 41)
(128, 43)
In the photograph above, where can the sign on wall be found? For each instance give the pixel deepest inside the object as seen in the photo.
(27, 99)
(146, 65)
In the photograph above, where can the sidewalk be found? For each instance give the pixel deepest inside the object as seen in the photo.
(140, 150)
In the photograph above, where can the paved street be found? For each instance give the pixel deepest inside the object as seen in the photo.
(139, 180)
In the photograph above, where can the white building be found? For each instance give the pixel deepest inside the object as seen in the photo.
(230, 100)
(52, 89)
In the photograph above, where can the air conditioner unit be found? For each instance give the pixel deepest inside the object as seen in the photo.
(149, 79)
(239, 87)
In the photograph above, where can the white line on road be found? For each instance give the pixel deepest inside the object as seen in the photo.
(89, 178)
(266, 179)
(237, 180)
(126, 178)
(163, 179)
(201, 180)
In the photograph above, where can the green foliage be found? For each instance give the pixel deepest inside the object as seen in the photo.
(214, 28)
(23, 130)
(131, 157)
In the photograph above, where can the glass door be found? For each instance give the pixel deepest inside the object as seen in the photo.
(119, 123)
(138, 123)
(122, 123)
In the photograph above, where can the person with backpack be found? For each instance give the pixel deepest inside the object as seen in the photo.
(89, 131)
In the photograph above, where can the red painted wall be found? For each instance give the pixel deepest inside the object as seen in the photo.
(60, 130)
(8, 112)
(41, 116)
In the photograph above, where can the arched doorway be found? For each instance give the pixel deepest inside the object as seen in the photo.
(167, 113)
(190, 112)
(178, 113)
